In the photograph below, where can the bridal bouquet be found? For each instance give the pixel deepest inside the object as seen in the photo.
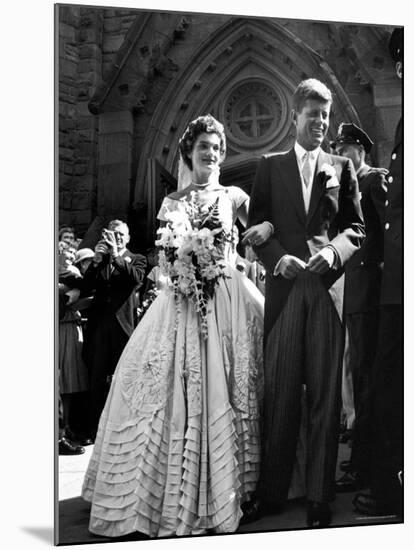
(192, 252)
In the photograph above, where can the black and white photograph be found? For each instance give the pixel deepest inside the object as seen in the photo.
(227, 277)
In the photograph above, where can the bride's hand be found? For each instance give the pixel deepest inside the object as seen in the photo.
(257, 234)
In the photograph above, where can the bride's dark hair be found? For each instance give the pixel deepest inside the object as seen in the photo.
(206, 124)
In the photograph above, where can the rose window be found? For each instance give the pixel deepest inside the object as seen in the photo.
(253, 113)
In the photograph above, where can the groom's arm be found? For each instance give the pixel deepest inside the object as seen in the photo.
(260, 210)
(350, 218)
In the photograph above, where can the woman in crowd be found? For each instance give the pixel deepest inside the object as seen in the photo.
(178, 447)
(73, 374)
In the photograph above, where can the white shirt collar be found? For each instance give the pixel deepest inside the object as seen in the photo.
(300, 152)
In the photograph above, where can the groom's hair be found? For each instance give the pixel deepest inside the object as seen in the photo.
(310, 89)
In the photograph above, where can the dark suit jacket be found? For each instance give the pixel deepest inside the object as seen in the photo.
(334, 219)
(392, 278)
(363, 271)
(114, 292)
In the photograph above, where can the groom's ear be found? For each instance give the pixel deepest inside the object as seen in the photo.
(293, 116)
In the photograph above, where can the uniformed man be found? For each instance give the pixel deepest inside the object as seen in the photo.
(362, 298)
(385, 494)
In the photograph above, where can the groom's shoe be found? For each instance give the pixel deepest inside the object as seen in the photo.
(319, 514)
(368, 505)
(252, 511)
(255, 509)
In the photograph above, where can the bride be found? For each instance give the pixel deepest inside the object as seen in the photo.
(178, 444)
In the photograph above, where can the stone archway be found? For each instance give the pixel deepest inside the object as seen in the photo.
(244, 75)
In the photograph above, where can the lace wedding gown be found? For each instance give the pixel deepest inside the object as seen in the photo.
(178, 445)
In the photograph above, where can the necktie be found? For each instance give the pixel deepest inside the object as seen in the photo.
(306, 169)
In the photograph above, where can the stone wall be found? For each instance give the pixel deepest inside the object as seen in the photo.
(88, 41)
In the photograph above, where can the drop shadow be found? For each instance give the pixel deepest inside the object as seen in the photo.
(44, 534)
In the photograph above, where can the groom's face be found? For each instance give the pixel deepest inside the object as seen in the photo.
(312, 123)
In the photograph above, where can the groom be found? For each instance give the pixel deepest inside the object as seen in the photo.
(312, 200)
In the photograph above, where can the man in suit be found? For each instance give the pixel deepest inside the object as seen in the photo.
(385, 495)
(362, 296)
(312, 200)
(114, 276)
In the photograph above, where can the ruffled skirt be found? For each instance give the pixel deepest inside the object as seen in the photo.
(178, 444)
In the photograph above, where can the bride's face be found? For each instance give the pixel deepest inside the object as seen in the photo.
(205, 156)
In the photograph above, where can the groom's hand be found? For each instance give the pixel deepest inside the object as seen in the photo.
(322, 261)
(289, 266)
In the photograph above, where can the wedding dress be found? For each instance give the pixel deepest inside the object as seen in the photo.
(178, 445)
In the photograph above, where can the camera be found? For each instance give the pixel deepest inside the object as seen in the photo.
(107, 233)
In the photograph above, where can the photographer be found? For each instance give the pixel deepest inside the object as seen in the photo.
(114, 276)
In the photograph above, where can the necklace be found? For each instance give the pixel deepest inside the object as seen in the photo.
(201, 185)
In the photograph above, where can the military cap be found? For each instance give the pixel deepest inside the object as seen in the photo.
(350, 133)
(396, 44)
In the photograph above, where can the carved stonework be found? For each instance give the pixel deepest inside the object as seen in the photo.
(253, 114)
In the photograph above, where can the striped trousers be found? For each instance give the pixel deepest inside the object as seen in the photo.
(305, 346)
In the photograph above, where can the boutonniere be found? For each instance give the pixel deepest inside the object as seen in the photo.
(127, 259)
(331, 178)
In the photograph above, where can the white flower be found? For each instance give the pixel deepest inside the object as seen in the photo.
(186, 247)
(211, 272)
(184, 268)
(203, 239)
(204, 257)
(328, 169)
(166, 237)
(330, 173)
(185, 285)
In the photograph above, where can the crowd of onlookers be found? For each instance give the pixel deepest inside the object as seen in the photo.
(99, 298)
(73, 373)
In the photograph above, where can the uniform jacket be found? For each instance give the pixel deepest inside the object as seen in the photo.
(114, 289)
(392, 278)
(364, 269)
(334, 218)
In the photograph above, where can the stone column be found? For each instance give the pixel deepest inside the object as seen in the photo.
(114, 164)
